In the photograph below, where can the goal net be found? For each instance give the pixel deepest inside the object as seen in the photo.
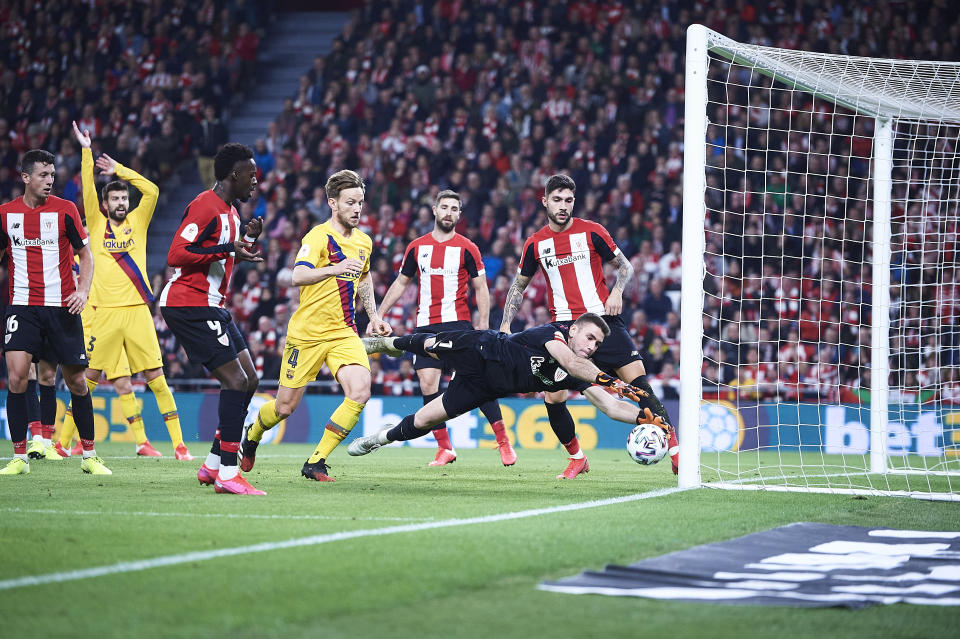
(821, 286)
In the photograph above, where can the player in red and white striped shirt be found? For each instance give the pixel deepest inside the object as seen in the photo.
(204, 250)
(570, 252)
(444, 262)
(41, 232)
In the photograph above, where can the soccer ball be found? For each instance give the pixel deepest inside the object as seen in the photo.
(647, 444)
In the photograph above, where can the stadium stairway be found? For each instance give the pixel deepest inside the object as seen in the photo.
(287, 52)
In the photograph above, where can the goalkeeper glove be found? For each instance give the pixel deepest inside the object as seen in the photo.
(622, 388)
(646, 416)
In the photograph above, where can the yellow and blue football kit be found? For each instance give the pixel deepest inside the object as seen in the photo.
(323, 330)
(117, 323)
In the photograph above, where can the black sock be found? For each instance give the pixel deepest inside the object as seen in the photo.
(561, 422)
(413, 343)
(83, 415)
(651, 402)
(247, 396)
(405, 431)
(17, 416)
(429, 398)
(48, 405)
(231, 411)
(491, 410)
(33, 403)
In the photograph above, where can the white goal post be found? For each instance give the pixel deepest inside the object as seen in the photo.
(820, 306)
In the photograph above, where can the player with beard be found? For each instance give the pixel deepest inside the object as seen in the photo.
(332, 270)
(121, 338)
(203, 253)
(570, 252)
(443, 261)
(42, 232)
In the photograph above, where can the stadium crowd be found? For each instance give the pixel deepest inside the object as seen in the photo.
(140, 76)
(489, 98)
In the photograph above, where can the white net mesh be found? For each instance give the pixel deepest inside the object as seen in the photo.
(789, 295)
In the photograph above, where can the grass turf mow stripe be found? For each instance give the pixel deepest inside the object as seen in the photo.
(109, 513)
(313, 540)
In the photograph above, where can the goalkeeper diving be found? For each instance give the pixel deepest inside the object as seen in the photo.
(490, 365)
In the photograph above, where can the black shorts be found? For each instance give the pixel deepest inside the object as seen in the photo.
(470, 386)
(441, 327)
(208, 335)
(50, 333)
(617, 349)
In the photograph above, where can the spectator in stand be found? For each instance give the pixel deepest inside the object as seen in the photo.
(481, 120)
(211, 134)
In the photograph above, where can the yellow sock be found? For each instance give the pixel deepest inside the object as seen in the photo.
(69, 427)
(267, 418)
(131, 411)
(168, 408)
(341, 423)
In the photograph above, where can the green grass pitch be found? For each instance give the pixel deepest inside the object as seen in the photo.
(472, 580)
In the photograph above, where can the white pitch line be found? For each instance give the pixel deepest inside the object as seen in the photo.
(313, 540)
(100, 513)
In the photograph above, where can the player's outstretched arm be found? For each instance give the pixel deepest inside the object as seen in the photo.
(611, 406)
(579, 367)
(513, 301)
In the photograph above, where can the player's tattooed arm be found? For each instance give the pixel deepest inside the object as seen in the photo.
(624, 271)
(365, 294)
(512, 304)
(614, 303)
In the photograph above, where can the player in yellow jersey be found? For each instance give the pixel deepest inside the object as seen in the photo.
(119, 321)
(333, 271)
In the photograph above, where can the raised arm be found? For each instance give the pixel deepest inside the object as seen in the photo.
(513, 301)
(149, 191)
(91, 204)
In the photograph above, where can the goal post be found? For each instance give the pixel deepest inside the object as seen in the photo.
(820, 305)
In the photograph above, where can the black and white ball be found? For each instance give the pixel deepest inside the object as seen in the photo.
(647, 444)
